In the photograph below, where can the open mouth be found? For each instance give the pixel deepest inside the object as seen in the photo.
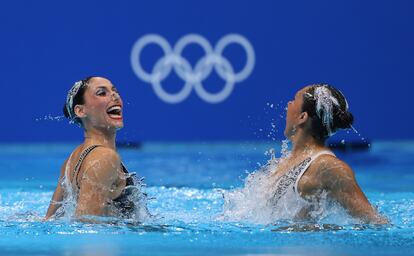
(115, 112)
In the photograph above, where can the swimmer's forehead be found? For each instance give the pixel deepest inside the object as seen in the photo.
(302, 91)
(100, 82)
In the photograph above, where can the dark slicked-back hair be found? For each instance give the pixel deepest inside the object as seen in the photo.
(78, 99)
(341, 117)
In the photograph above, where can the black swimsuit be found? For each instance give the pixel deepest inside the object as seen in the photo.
(124, 203)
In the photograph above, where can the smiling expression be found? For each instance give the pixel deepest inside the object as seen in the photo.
(103, 105)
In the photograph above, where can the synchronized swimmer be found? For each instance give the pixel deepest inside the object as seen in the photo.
(317, 112)
(308, 183)
(101, 186)
(94, 175)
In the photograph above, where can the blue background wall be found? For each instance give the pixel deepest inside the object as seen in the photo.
(365, 48)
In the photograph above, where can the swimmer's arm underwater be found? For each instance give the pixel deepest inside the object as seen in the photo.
(339, 180)
(57, 197)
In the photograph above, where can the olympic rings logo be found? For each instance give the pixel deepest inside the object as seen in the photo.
(192, 76)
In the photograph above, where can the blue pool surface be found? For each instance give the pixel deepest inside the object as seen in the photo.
(186, 181)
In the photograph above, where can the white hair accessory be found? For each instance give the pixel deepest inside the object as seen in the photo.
(69, 98)
(324, 106)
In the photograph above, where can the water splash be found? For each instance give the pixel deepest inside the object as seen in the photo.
(50, 117)
(67, 209)
(250, 203)
(255, 201)
(359, 135)
(285, 148)
(272, 112)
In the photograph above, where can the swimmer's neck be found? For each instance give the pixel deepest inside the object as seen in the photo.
(98, 137)
(303, 143)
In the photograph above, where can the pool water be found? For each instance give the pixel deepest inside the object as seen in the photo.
(187, 181)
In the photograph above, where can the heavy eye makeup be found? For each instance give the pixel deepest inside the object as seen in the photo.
(101, 92)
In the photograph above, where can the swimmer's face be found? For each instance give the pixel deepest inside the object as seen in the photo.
(294, 113)
(103, 105)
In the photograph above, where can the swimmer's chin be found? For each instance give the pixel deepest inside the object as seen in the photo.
(111, 127)
(118, 127)
(117, 124)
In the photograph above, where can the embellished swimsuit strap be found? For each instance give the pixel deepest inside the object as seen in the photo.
(315, 156)
(124, 169)
(79, 163)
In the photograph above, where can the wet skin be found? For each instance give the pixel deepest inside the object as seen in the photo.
(100, 177)
(326, 173)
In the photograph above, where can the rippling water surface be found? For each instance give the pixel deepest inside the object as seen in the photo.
(187, 182)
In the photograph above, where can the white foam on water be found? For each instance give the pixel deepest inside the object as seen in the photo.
(254, 202)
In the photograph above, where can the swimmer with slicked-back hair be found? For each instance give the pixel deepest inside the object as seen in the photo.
(93, 176)
(309, 183)
(312, 171)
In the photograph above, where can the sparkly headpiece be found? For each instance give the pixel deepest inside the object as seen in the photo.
(324, 105)
(71, 95)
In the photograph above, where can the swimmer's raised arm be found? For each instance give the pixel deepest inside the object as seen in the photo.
(57, 198)
(338, 179)
(97, 183)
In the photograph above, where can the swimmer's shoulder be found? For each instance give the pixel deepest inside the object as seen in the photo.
(103, 155)
(330, 170)
(102, 162)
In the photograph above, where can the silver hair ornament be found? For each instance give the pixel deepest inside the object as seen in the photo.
(69, 99)
(324, 106)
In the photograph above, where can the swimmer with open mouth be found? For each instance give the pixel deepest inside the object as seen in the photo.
(93, 174)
